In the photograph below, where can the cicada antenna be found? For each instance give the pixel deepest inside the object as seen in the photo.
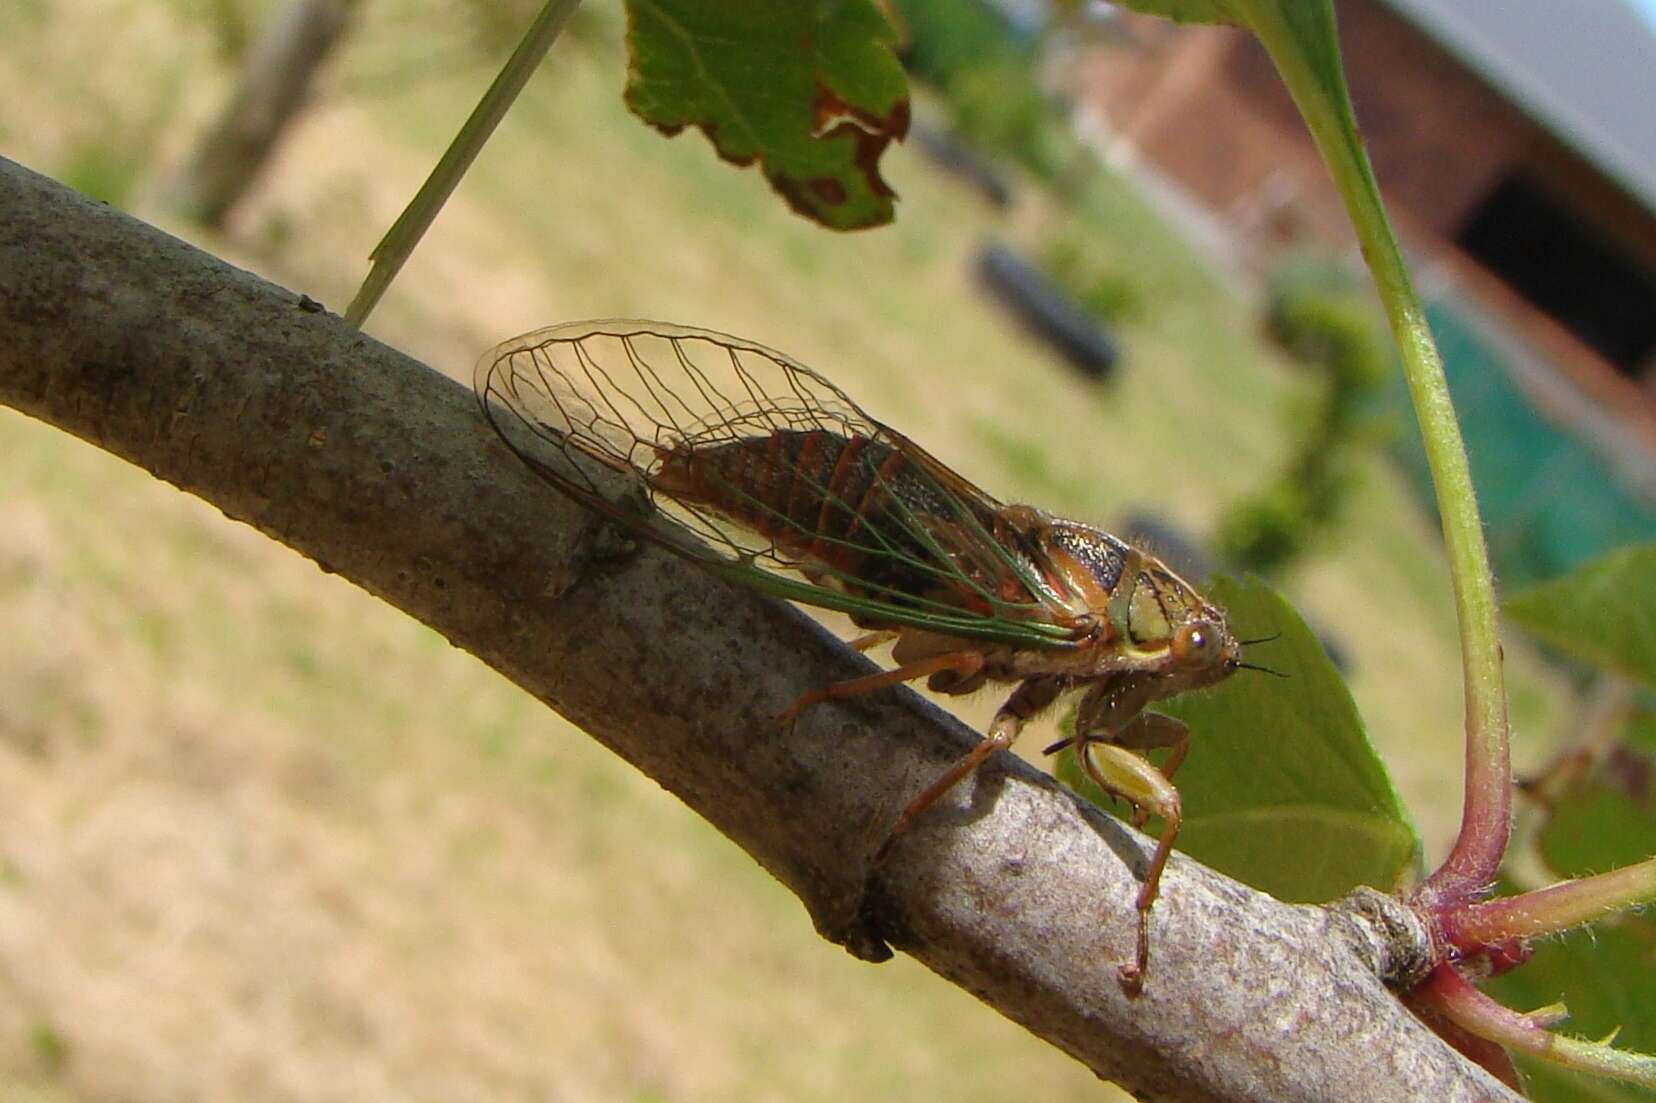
(1261, 669)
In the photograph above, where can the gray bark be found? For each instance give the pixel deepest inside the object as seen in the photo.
(382, 470)
(273, 85)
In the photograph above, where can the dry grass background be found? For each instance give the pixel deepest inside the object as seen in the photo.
(264, 838)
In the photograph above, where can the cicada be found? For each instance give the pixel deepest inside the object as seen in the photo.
(797, 492)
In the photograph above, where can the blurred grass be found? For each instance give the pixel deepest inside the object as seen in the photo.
(265, 838)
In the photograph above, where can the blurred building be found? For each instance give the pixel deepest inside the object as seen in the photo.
(1516, 147)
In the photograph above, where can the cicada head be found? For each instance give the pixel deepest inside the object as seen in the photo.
(1185, 637)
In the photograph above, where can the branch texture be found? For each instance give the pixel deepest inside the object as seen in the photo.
(381, 469)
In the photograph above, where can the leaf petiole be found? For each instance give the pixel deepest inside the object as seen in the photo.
(1300, 38)
(1552, 909)
(1452, 996)
(405, 233)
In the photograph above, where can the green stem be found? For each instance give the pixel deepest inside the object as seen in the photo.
(399, 241)
(1449, 994)
(1600, 1058)
(1552, 909)
(1317, 83)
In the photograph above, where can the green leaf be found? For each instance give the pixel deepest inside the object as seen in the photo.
(1608, 820)
(1605, 825)
(1603, 613)
(1282, 789)
(810, 89)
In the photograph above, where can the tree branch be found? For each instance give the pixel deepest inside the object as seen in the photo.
(380, 469)
(274, 81)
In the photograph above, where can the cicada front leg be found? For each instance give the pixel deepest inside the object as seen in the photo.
(1111, 759)
(1148, 731)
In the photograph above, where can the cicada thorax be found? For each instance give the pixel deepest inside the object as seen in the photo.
(1082, 564)
(853, 510)
(1138, 607)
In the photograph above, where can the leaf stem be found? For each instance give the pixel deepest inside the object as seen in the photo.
(1301, 40)
(405, 233)
(1553, 909)
(1451, 995)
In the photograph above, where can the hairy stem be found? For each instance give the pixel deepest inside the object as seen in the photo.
(1451, 995)
(1552, 909)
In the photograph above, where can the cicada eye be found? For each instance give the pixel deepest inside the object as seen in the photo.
(1197, 644)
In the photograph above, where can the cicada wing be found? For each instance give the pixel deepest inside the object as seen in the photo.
(628, 394)
(771, 464)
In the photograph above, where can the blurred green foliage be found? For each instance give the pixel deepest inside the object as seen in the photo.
(1319, 315)
(51, 1048)
(1100, 288)
(998, 107)
(102, 172)
(500, 23)
(985, 69)
(112, 160)
(946, 38)
(232, 24)
(21, 14)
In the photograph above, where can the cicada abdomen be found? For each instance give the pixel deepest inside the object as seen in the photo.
(848, 510)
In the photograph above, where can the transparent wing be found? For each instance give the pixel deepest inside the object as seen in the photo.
(775, 469)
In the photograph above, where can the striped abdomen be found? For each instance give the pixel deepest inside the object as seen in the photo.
(850, 503)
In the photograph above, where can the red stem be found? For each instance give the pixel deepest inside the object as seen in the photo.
(1451, 995)
(1484, 1052)
(1549, 910)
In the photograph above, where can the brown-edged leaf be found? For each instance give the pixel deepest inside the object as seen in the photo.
(811, 90)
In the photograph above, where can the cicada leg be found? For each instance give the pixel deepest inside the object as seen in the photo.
(963, 663)
(1148, 731)
(872, 640)
(1114, 765)
(1028, 699)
